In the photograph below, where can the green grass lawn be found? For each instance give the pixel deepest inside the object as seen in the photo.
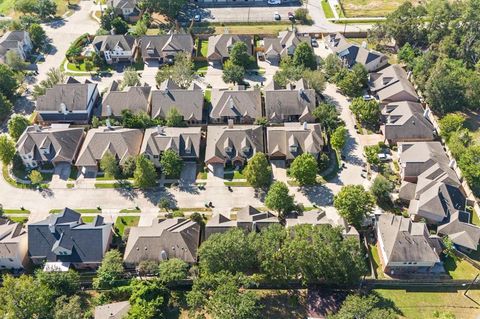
(70, 185)
(13, 183)
(7, 6)
(132, 210)
(202, 47)
(376, 262)
(327, 9)
(78, 210)
(460, 269)
(16, 211)
(113, 185)
(423, 304)
(22, 220)
(234, 175)
(125, 221)
(237, 184)
(88, 219)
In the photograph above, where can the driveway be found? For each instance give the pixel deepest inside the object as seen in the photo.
(62, 171)
(279, 170)
(149, 72)
(189, 173)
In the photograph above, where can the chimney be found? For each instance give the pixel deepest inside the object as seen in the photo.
(109, 110)
(63, 108)
(160, 129)
(230, 123)
(426, 113)
(37, 128)
(364, 44)
(305, 126)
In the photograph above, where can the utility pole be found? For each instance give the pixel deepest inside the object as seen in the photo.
(470, 285)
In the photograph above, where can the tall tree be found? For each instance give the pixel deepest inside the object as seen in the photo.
(149, 299)
(468, 163)
(37, 35)
(367, 307)
(354, 203)
(327, 115)
(353, 83)
(315, 79)
(367, 112)
(172, 270)
(171, 163)
(258, 171)
(304, 169)
(239, 54)
(60, 283)
(110, 271)
(233, 73)
(15, 61)
(174, 118)
(130, 78)
(450, 123)
(8, 81)
(371, 154)
(119, 26)
(35, 177)
(7, 149)
(331, 66)
(182, 71)
(304, 56)
(17, 125)
(145, 174)
(339, 138)
(279, 199)
(109, 165)
(69, 308)
(45, 8)
(6, 107)
(381, 189)
(169, 8)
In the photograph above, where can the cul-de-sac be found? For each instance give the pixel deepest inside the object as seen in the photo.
(239, 159)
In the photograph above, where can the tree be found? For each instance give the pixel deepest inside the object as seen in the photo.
(25, 6)
(170, 9)
(339, 138)
(239, 54)
(148, 300)
(164, 203)
(68, 308)
(451, 123)
(95, 122)
(119, 25)
(107, 18)
(304, 56)
(60, 283)
(367, 112)
(35, 177)
(371, 154)
(17, 125)
(353, 82)
(327, 115)
(458, 141)
(301, 14)
(54, 76)
(258, 171)
(230, 251)
(304, 169)
(407, 54)
(182, 71)
(174, 118)
(367, 307)
(130, 78)
(110, 271)
(109, 165)
(45, 8)
(289, 72)
(128, 166)
(332, 65)
(14, 60)
(23, 298)
(37, 35)
(354, 203)
(278, 198)
(8, 81)
(233, 73)
(148, 267)
(315, 80)
(172, 270)
(145, 174)
(140, 28)
(468, 163)
(449, 248)
(171, 163)
(6, 107)
(381, 188)
(7, 149)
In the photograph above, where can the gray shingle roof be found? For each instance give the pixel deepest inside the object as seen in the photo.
(110, 42)
(189, 102)
(319, 217)
(10, 40)
(154, 46)
(293, 139)
(460, 231)
(219, 45)
(240, 142)
(285, 40)
(134, 98)
(236, 103)
(75, 97)
(405, 241)
(67, 231)
(11, 236)
(392, 85)
(62, 142)
(115, 310)
(183, 140)
(296, 100)
(417, 157)
(121, 142)
(170, 238)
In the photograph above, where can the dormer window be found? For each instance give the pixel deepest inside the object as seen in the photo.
(293, 148)
(188, 150)
(246, 149)
(228, 149)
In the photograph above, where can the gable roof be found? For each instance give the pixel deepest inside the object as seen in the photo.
(121, 142)
(236, 103)
(189, 102)
(122, 4)
(11, 235)
(109, 42)
(219, 45)
(293, 139)
(319, 217)
(460, 231)
(67, 232)
(285, 40)
(11, 40)
(133, 98)
(170, 238)
(115, 310)
(74, 96)
(183, 140)
(153, 46)
(392, 85)
(295, 100)
(406, 121)
(405, 241)
(248, 218)
(61, 141)
(241, 142)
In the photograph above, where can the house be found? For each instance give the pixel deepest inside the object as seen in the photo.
(185, 141)
(464, 235)
(13, 246)
(240, 105)
(115, 310)
(65, 238)
(295, 103)
(56, 144)
(16, 41)
(232, 145)
(285, 44)
(115, 48)
(164, 48)
(133, 98)
(188, 102)
(320, 217)
(248, 218)
(128, 9)
(406, 122)
(392, 85)
(406, 247)
(164, 239)
(219, 46)
(351, 54)
(292, 139)
(72, 102)
(119, 141)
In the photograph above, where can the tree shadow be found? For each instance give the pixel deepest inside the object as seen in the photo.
(319, 195)
(57, 23)
(323, 302)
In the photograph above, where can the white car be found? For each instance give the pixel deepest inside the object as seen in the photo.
(274, 2)
(383, 157)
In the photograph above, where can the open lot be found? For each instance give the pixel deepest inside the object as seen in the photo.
(370, 8)
(6, 7)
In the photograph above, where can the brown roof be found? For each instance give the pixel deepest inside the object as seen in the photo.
(134, 98)
(219, 45)
(183, 140)
(236, 103)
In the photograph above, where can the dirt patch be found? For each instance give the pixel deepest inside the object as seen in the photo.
(368, 8)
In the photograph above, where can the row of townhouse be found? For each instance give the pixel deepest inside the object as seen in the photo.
(75, 102)
(225, 144)
(429, 185)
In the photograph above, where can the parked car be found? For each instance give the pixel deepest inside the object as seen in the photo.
(291, 16)
(384, 157)
(197, 18)
(367, 97)
(277, 16)
(314, 43)
(274, 2)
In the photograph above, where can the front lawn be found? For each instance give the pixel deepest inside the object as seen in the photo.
(128, 211)
(234, 174)
(459, 269)
(327, 10)
(125, 221)
(16, 211)
(78, 210)
(22, 220)
(237, 184)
